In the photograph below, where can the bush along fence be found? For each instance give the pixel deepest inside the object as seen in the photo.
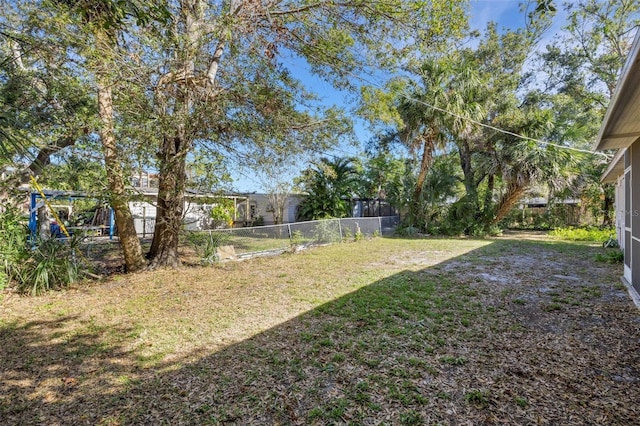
(221, 244)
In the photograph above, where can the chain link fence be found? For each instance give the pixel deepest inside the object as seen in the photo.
(247, 242)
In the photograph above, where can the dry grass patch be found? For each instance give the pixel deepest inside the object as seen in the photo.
(396, 331)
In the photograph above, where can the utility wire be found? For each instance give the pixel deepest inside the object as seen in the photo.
(410, 98)
(506, 132)
(538, 141)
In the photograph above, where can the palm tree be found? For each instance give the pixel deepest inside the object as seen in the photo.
(330, 185)
(432, 113)
(522, 163)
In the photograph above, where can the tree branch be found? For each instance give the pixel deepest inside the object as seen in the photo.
(212, 71)
(35, 168)
(296, 10)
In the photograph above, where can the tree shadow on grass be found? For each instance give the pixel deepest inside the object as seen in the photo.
(448, 344)
(47, 368)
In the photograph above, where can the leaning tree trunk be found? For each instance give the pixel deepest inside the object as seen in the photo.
(171, 185)
(507, 201)
(129, 242)
(102, 65)
(10, 187)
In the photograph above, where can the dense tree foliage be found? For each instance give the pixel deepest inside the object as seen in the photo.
(329, 186)
(94, 91)
(44, 106)
(504, 121)
(581, 71)
(182, 79)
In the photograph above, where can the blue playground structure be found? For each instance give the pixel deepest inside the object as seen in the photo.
(37, 201)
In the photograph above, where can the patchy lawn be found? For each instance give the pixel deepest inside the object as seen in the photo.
(513, 330)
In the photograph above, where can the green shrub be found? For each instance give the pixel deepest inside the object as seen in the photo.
(610, 256)
(494, 230)
(13, 250)
(407, 231)
(583, 234)
(223, 211)
(296, 238)
(541, 219)
(52, 265)
(327, 231)
(347, 235)
(206, 244)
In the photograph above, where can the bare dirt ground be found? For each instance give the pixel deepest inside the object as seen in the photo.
(514, 330)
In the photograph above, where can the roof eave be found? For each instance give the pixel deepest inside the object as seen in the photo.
(629, 70)
(615, 168)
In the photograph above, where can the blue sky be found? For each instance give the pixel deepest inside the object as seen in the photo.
(506, 13)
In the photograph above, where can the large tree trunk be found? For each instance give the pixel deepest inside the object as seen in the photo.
(425, 163)
(467, 170)
(470, 182)
(177, 141)
(171, 185)
(467, 211)
(129, 242)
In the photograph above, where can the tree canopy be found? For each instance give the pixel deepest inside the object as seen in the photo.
(466, 122)
(506, 121)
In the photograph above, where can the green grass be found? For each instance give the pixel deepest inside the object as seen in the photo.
(451, 360)
(522, 402)
(610, 255)
(478, 398)
(403, 331)
(583, 234)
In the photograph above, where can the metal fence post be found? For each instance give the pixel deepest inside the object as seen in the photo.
(290, 235)
(380, 225)
(112, 223)
(340, 228)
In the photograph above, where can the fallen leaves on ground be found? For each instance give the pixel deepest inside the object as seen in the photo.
(390, 331)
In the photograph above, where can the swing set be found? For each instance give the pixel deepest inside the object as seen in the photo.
(102, 222)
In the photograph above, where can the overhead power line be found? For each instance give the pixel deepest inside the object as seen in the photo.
(506, 132)
(380, 86)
